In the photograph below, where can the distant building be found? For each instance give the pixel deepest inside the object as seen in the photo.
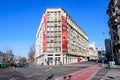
(93, 51)
(114, 25)
(59, 39)
(1, 57)
(109, 53)
(108, 46)
(101, 53)
(102, 56)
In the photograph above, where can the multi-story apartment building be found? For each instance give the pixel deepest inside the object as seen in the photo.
(93, 51)
(114, 25)
(59, 39)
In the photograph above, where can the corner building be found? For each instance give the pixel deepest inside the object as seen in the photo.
(59, 39)
(114, 25)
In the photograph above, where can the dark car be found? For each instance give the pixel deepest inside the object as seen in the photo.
(21, 64)
(14, 64)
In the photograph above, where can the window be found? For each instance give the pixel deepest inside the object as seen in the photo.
(48, 36)
(57, 54)
(50, 55)
(117, 37)
(55, 13)
(118, 7)
(113, 9)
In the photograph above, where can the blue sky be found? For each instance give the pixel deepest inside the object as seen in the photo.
(20, 19)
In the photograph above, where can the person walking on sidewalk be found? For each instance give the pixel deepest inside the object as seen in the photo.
(97, 62)
(102, 62)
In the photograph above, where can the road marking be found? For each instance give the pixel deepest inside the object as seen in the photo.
(14, 78)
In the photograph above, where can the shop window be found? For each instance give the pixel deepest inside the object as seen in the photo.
(50, 59)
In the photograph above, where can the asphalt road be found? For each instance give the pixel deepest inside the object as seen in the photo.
(51, 72)
(9, 74)
(34, 72)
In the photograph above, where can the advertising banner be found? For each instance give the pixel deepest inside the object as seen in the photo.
(64, 35)
(44, 33)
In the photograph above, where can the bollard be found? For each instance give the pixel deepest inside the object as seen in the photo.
(64, 77)
(69, 76)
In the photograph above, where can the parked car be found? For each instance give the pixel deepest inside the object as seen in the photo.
(20, 64)
(14, 64)
(3, 65)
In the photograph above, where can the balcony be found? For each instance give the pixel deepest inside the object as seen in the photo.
(117, 2)
(116, 42)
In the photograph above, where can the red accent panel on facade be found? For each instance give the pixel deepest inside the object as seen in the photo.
(44, 33)
(64, 35)
(78, 59)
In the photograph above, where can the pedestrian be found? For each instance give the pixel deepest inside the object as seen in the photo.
(55, 61)
(102, 61)
(97, 61)
(46, 60)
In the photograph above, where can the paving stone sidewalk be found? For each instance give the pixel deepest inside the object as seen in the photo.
(107, 74)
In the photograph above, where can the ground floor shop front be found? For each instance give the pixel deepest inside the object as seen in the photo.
(59, 59)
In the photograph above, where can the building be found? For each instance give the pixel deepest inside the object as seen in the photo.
(93, 51)
(108, 49)
(114, 25)
(108, 46)
(59, 40)
(1, 57)
(102, 56)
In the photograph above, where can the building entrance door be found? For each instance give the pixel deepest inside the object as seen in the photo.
(57, 61)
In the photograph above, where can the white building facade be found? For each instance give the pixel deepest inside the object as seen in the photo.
(59, 39)
(93, 51)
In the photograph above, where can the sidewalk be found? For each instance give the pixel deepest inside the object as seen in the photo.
(107, 74)
(84, 74)
(112, 74)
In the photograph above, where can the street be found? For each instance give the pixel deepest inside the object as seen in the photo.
(9, 74)
(34, 72)
(76, 71)
(51, 72)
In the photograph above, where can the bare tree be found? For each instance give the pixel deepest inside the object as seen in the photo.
(31, 53)
(1, 56)
(22, 59)
(8, 56)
